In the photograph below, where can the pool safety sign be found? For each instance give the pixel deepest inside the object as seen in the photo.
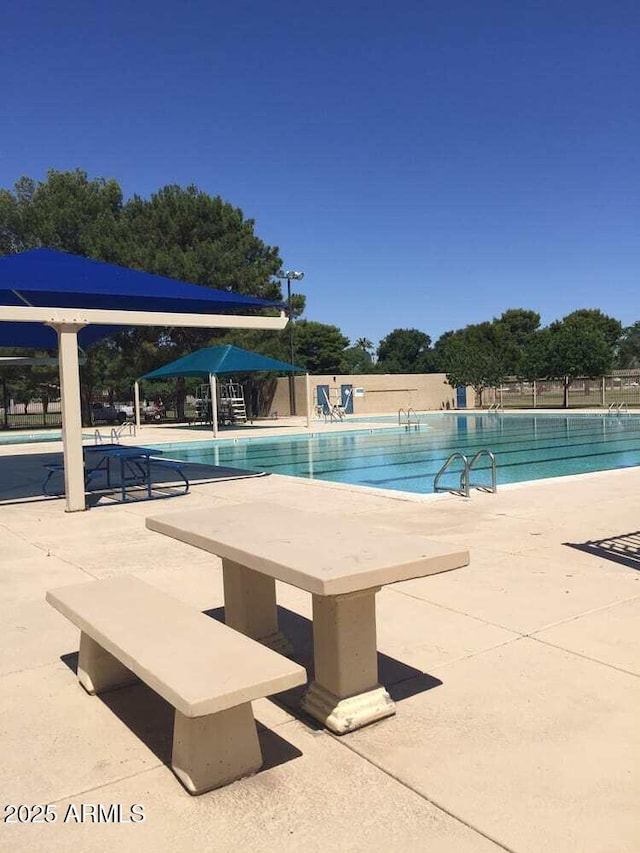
(358, 392)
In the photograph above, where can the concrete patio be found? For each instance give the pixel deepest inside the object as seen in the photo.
(516, 680)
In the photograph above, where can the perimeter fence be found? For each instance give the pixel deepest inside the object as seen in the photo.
(618, 389)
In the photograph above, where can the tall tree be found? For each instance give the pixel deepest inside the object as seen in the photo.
(68, 211)
(181, 233)
(520, 323)
(405, 351)
(477, 355)
(357, 360)
(629, 349)
(319, 347)
(577, 348)
(609, 327)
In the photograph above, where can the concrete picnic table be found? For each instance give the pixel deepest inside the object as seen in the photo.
(342, 562)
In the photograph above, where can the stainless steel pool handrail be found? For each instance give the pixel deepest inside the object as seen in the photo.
(465, 475)
(415, 424)
(408, 422)
(494, 476)
(123, 428)
(463, 490)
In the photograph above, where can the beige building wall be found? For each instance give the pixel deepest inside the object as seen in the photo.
(373, 393)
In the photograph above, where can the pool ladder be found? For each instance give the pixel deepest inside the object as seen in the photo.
(408, 423)
(618, 408)
(465, 475)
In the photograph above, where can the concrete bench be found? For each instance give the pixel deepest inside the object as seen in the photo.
(207, 671)
(342, 562)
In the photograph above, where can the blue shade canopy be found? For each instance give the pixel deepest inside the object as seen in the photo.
(225, 359)
(46, 278)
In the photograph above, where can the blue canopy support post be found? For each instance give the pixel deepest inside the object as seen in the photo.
(71, 415)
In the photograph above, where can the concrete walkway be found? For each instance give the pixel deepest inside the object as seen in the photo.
(516, 680)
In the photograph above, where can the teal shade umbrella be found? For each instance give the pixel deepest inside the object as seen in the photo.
(211, 362)
(219, 360)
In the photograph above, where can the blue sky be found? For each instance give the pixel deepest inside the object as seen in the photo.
(427, 164)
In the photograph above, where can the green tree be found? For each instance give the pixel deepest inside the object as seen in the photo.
(357, 360)
(476, 355)
(576, 348)
(534, 363)
(320, 347)
(516, 328)
(405, 351)
(179, 233)
(364, 344)
(629, 348)
(68, 211)
(609, 327)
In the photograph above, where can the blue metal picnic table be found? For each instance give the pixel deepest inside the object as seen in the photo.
(134, 461)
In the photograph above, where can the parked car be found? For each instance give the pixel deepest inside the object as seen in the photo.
(154, 412)
(103, 413)
(127, 408)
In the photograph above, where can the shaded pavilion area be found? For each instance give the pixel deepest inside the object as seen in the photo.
(57, 301)
(211, 362)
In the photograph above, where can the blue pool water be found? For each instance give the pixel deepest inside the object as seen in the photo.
(526, 448)
(32, 437)
(29, 437)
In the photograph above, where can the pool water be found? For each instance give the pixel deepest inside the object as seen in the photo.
(526, 448)
(29, 437)
(32, 437)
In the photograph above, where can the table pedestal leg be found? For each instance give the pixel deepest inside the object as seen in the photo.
(250, 606)
(345, 694)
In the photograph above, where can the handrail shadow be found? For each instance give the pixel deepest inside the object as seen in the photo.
(623, 548)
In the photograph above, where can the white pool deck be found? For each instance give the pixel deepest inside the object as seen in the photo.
(517, 679)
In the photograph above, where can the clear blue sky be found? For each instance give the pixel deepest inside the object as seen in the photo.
(427, 163)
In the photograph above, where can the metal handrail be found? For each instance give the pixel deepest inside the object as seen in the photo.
(416, 423)
(120, 430)
(464, 476)
(618, 408)
(408, 423)
(494, 478)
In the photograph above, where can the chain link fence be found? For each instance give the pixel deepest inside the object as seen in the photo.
(615, 389)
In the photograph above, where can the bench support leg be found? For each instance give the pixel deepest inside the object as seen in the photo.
(250, 606)
(345, 694)
(98, 670)
(214, 750)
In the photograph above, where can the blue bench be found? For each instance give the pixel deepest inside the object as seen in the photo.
(173, 465)
(136, 465)
(54, 468)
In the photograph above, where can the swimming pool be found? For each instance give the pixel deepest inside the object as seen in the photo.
(29, 437)
(32, 437)
(527, 447)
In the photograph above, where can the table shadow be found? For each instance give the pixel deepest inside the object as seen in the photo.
(400, 679)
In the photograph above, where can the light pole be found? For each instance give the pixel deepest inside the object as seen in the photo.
(291, 275)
